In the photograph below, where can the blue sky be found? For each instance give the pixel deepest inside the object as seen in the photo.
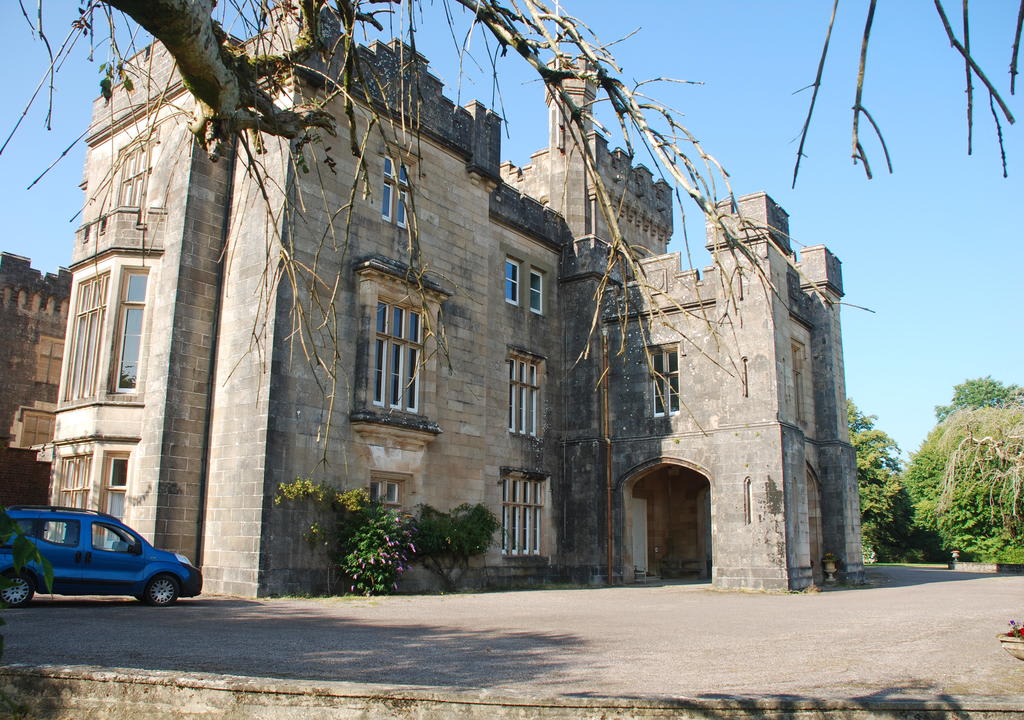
(934, 250)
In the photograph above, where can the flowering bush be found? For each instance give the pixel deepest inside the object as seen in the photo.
(1016, 631)
(376, 550)
(369, 543)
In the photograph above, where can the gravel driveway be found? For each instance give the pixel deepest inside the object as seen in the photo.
(916, 633)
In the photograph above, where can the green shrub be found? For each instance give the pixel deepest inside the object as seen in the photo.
(445, 541)
(368, 542)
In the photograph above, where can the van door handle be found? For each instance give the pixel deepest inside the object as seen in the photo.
(88, 557)
(78, 556)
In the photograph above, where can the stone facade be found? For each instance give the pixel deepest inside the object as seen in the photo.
(33, 318)
(450, 369)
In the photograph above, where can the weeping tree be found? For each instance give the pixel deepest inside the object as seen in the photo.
(968, 479)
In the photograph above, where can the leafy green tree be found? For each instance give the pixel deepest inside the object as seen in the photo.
(885, 507)
(445, 541)
(966, 481)
(980, 393)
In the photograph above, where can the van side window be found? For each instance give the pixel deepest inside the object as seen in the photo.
(60, 532)
(110, 539)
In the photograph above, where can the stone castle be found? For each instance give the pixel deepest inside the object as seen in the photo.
(238, 324)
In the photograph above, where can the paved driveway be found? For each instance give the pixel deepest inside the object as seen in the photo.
(912, 633)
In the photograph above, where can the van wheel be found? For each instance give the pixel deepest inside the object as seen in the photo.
(18, 592)
(161, 590)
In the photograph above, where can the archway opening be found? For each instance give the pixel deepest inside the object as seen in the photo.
(670, 514)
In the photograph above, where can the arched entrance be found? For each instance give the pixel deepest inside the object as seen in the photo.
(668, 523)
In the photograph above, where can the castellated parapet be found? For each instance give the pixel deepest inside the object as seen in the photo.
(33, 318)
(681, 424)
(642, 204)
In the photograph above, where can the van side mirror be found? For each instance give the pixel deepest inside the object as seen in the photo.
(136, 548)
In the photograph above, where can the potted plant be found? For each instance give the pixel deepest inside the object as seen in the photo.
(829, 562)
(1013, 641)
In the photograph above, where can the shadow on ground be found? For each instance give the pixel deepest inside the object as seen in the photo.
(241, 637)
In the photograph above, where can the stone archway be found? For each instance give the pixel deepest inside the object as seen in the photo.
(668, 529)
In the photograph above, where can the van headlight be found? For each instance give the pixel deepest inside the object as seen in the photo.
(183, 559)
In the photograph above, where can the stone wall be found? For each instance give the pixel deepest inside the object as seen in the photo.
(33, 320)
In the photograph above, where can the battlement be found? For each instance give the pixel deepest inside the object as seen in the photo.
(759, 218)
(644, 204)
(820, 270)
(399, 84)
(526, 214)
(17, 273)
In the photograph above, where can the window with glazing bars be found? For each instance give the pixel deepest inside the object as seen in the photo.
(394, 193)
(74, 484)
(134, 168)
(521, 504)
(396, 357)
(665, 381)
(133, 305)
(90, 312)
(523, 391)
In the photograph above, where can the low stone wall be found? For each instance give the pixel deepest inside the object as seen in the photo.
(87, 693)
(1008, 568)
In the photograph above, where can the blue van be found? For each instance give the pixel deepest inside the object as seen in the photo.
(93, 553)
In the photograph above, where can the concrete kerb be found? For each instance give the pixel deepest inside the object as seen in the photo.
(87, 692)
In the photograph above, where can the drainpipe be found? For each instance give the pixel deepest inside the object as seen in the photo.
(606, 427)
(211, 385)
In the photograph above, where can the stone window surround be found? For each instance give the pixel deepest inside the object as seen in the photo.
(394, 191)
(87, 330)
(386, 481)
(116, 268)
(524, 499)
(536, 291)
(33, 423)
(665, 380)
(128, 305)
(383, 280)
(115, 487)
(95, 454)
(513, 280)
(525, 403)
(49, 356)
(397, 356)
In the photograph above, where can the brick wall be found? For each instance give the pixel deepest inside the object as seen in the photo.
(23, 479)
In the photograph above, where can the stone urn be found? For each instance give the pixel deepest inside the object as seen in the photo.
(1012, 645)
(828, 564)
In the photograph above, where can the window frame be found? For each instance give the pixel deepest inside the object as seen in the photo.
(522, 516)
(405, 351)
(524, 402)
(536, 292)
(512, 280)
(131, 191)
(665, 383)
(394, 192)
(33, 414)
(75, 481)
(798, 360)
(109, 489)
(87, 341)
(129, 305)
(49, 359)
(387, 482)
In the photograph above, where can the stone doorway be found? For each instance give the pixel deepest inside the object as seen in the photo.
(669, 518)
